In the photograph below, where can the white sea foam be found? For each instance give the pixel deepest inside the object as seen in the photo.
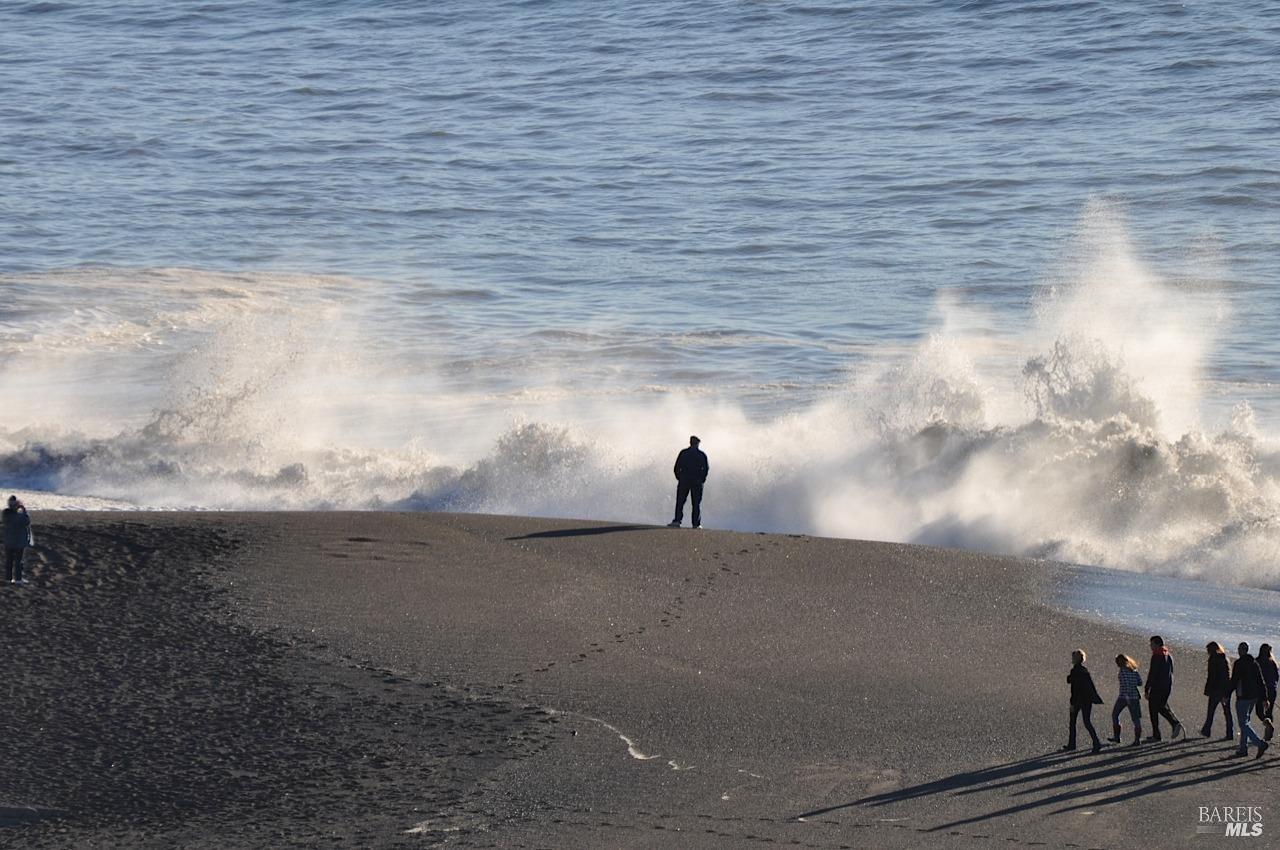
(37, 500)
(1082, 437)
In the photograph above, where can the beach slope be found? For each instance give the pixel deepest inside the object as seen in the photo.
(411, 680)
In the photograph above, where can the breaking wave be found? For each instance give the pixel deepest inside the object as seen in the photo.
(1078, 437)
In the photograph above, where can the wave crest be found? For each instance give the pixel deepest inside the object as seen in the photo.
(1079, 437)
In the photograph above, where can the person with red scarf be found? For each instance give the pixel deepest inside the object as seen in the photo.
(1159, 686)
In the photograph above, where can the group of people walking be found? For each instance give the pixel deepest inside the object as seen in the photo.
(1250, 681)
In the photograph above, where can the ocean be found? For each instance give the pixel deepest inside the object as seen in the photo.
(992, 275)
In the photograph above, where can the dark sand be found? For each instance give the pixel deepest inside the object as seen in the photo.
(415, 680)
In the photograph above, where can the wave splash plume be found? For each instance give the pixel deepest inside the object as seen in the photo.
(1079, 437)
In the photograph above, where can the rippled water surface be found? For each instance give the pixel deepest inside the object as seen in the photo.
(813, 173)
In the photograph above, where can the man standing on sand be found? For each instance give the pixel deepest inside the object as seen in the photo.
(17, 537)
(1159, 686)
(691, 473)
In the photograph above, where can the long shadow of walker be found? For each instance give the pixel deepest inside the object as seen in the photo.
(584, 532)
(1066, 782)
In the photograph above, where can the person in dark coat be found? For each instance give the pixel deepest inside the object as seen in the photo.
(1084, 696)
(1249, 687)
(1217, 687)
(1159, 686)
(691, 473)
(1270, 675)
(17, 537)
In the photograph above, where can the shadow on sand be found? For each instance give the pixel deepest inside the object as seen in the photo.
(584, 532)
(1063, 782)
(23, 815)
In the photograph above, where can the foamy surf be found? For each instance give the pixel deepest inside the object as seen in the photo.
(36, 500)
(1087, 436)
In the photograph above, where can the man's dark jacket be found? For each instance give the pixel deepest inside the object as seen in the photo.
(1246, 678)
(691, 466)
(1160, 673)
(17, 528)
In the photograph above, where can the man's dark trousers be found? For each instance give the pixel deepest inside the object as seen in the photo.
(12, 564)
(692, 489)
(1158, 706)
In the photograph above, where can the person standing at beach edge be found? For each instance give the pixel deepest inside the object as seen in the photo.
(691, 473)
(17, 537)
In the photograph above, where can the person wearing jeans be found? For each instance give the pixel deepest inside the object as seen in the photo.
(1130, 681)
(691, 473)
(1246, 679)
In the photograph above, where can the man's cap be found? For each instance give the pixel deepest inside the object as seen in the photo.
(693, 439)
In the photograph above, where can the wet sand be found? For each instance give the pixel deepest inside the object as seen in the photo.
(413, 680)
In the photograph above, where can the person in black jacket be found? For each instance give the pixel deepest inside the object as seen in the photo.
(1247, 682)
(17, 537)
(1159, 686)
(1084, 696)
(1217, 687)
(1270, 675)
(691, 473)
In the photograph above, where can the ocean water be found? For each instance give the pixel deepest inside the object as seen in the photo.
(1190, 613)
(996, 275)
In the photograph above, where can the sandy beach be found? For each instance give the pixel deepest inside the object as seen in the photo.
(415, 680)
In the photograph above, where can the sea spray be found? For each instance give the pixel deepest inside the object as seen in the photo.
(1078, 436)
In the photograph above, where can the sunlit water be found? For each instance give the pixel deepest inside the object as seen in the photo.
(1190, 613)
